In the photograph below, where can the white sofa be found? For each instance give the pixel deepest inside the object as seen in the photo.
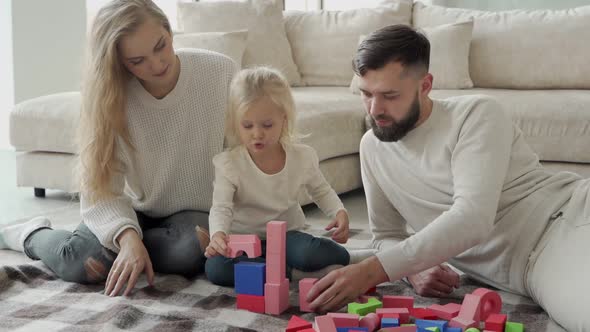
(533, 62)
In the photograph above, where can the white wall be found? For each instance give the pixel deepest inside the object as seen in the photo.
(6, 73)
(48, 45)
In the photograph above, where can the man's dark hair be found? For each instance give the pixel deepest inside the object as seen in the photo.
(394, 43)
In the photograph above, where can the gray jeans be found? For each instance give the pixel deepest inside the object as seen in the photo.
(78, 256)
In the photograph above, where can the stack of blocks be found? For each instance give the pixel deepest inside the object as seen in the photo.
(262, 287)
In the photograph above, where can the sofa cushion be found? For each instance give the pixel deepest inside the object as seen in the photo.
(521, 49)
(46, 123)
(555, 123)
(333, 119)
(324, 42)
(232, 44)
(267, 41)
(449, 56)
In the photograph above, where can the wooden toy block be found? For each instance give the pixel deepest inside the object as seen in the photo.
(423, 313)
(496, 322)
(472, 329)
(454, 329)
(249, 278)
(389, 322)
(469, 315)
(324, 324)
(362, 309)
(351, 329)
(344, 320)
(297, 323)
(400, 329)
(304, 287)
(276, 297)
(490, 302)
(371, 290)
(424, 323)
(308, 330)
(432, 328)
(275, 267)
(249, 244)
(371, 321)
(390, 315)
(513, 327)
(254, 303)
(390, 301)
(404, 313)
(447, 311)
(276, 237)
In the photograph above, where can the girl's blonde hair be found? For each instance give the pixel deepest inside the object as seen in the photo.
(103, 119)
(248, 86)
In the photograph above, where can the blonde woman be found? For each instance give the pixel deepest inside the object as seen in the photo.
(152, 120)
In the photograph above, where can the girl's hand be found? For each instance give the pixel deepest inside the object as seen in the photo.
(340, 235)
(218, 245)
(131, 262)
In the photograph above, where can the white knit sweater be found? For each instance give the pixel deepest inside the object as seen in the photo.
(466, 181)
(245, 198)
(174, 139)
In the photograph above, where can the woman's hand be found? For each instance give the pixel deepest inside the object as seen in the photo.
(340, 222)
(133, 259)
(437, 281)
(218, 245)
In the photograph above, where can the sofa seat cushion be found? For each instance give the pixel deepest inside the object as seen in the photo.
(555, 123)
(46, 123)
(333, 119)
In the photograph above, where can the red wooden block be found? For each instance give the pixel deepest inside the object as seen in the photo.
(297, 323)
(400, 329)
(304, 287)
(325, 324)
(496, 322)
(344, 320)
(276, 297)
(250, 244)
(490, 303)
(371, 290)
(390, 301)
(447, 311)
(404, 314)
(423, 313)
(370, 321)
(254, 303)
(308, 330)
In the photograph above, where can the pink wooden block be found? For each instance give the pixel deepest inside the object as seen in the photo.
(276, 297)
(276, 237)
(304, 287)
(490, 303)
(404, 314)
(275, 268)
(325, 324)
(344, 320)
(250, 244)
(400, 329)
(370, 321)
(390, 301)
(469, 316)
(308, 330)
(447, 311)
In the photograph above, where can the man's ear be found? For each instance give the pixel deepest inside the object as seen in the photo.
(426, 84)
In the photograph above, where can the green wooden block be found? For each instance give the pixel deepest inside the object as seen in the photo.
(434, 329)
(472, 329)
(362, 309)
(514, 327)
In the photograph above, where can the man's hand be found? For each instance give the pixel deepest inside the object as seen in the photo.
(340, 222)
(437, 281)
(345, 285)
(218, 245)
(131, 262)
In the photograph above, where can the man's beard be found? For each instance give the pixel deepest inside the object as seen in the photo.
(397, 130)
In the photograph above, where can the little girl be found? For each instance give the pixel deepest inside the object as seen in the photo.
(259, 180)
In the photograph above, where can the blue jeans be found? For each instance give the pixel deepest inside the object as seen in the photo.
(304, 252)
(78, 256)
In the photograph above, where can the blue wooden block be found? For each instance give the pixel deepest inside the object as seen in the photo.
(250, 278)
(346, 329)
(389, 322)
(424, 323)
(453, 329)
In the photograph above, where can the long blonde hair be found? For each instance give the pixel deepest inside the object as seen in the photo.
(103, 119)
(248, 86)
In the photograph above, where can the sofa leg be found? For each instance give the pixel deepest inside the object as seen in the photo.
(39, 192)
